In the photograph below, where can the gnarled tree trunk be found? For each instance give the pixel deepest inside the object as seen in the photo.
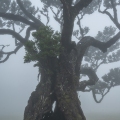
(60, 87)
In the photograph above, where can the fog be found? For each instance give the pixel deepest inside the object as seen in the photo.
(18, 80)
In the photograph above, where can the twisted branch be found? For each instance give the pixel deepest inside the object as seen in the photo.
(18, 37)
(29, 14)
(80, 5)
(92, 78)
(11, 32)
(114, 19)
(10, 53)
(19, 18)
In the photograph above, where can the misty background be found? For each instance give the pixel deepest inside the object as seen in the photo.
(18, 80)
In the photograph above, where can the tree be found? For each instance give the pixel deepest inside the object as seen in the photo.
(58, 58)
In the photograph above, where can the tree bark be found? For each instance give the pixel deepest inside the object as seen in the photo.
(65, 87)
(59, 87)
(40, 101)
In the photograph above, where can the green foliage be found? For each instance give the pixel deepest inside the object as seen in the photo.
(113, 77)
(31, 52)
(95, 57)
(46, 45)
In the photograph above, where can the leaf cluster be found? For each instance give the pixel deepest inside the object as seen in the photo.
(46, 45)
(113, 76)
(95, 56)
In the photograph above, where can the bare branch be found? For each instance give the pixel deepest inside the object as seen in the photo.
(29, 29)
(80, 5)
(103, 95)
(29, 14)
(10, 53)
(114, 20)
(11, 32)
(56, 17)
(19, 18)
(90, 41)
(46, 15)
(13, 26)
(79, 24)
(16, 35)
(114, 10)
(3, 46)
(99, 65)
(92, 78)
(107, 13)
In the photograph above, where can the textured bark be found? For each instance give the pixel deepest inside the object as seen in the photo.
(40, 101)
(59, 87)
(66, 94)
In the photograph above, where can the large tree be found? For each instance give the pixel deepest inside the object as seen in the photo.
(58, 57)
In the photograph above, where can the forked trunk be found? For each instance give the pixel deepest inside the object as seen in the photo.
(59, 87)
